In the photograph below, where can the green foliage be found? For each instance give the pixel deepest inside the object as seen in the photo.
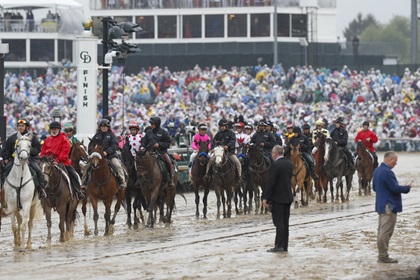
(358, 25)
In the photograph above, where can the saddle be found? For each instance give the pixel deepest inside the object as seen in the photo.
(114, 170)
(33, 173)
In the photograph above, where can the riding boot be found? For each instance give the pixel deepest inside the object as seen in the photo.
(314, 175)
(41, 191)
(123, 184)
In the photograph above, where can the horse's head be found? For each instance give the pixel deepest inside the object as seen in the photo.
(47, 165)
(294, 150)
(204, 147)
(219, 153)
(23, 146)
(320, 139)
(360, 148)
(96, 155)
(142, 161)
(329, 147)
(78, 152)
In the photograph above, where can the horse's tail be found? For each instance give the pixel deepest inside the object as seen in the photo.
(180, 190)
(36, 209)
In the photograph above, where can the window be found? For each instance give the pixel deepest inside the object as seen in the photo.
(42, 50)
(148, 25)
(215, 26)
(299, 26)
(65, 50)
(237, 25)
(191, 26)
(283, 25)
(17, 50)
(260, 25)
(166, 26)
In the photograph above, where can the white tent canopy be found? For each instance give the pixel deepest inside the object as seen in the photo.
(37, 4)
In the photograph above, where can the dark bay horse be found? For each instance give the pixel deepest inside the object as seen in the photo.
(198, 171)
(301, 177)
(103, 186)
(336, 167)
(60, 197)
(156, 192)
(224, 180)
(365, 165)
(321, 185)
(258, 168)
(133, 189)
(247, 191)
(78, 153)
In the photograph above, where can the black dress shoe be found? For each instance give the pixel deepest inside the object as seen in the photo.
(276, 249)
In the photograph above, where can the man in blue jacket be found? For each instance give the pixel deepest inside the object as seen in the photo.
(388, 203)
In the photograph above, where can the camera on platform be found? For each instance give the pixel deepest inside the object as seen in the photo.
(110, 55)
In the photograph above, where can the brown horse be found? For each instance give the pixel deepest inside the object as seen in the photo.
(258, 168)
(103, 186)
(224, 180)
(60, 197)
(198, 171)
(321, 185)
(156, 192)
(336, 167)
(365, 165)
(78, 152)
(301, 177)
(133, 189)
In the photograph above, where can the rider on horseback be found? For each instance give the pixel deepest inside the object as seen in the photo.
(58, 146)
(368, 137)
(289, 133)
(198, 138)
(158, 138)
(23, 126)
(303, 141)
(307, 132)
(264, 139)
(109, 143)
(241, 136)
(339, 136)
(70, 132)
(133, 141)
(226, 138)
(277, 138)
(319, 129)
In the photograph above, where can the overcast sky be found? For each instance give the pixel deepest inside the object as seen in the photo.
(382, 10)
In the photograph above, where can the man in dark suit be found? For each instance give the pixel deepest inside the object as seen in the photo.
(278, 193)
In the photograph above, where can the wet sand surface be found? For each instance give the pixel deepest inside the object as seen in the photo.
(327, 241)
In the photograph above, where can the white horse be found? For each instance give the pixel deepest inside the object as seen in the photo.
(20, 196)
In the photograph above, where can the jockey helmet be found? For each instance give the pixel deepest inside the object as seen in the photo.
(223, 122)
(240, 124)
(319, 123)
(104, 122)
(289, 126)
(133, 124)
(269, 123)
(297, 129)
(155, 120)
(202, 126)
(275, 126)
(366, 123)
(24, 121)
(339, 120)
(55, 125)
(262, 123)
(249, 126)
(306, 126)
(68, 127)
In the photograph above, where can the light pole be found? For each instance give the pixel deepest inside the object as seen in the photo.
(4, 49)
(116, 31)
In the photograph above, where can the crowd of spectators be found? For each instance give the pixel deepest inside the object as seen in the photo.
(297, 95)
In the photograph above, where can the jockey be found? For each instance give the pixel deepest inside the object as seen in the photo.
(158, 138)
(198, 138)
(241, 136)
(339, 136)
(307, 132)
(289, 133)
(226, 138)
(23, 126)
(109, 143)
(58, 146)
(249, 130)
(264, 139)
(319, 128)
(368, 137)
(304, 143)
(70, 132)
(277, 138)
(133, 140)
